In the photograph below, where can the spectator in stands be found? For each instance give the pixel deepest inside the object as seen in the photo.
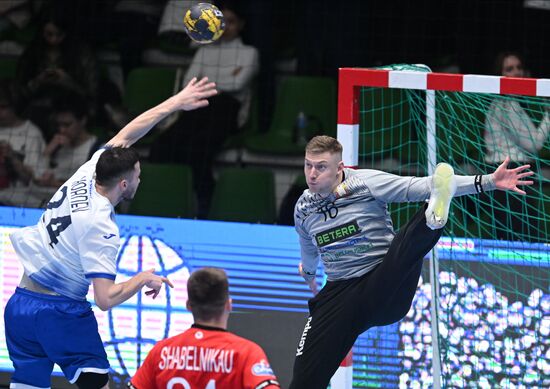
(230, 63)
(54, 62)
(21, 144)
(196, 137)
(514, 129)
(71, 145)
(246, 364)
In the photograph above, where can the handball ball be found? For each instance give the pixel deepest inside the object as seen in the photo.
(204, 23)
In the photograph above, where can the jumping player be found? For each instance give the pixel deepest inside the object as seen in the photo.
(206, 355)
(75, 243)
(372, 272)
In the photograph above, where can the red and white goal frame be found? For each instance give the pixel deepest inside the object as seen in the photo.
(350, 82)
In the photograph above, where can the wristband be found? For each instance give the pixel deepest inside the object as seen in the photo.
(477, 184)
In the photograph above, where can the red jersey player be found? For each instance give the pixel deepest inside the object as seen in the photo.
(206, 356)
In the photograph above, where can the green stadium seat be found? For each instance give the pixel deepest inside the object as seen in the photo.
(244, 195)
(165, 190)
(316, 97)
(22, 36)
(148, 86)
(8, 68)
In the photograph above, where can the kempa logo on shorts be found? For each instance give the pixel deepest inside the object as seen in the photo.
(335, 234)
(300, 349)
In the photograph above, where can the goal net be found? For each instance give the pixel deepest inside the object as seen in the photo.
(490, 273)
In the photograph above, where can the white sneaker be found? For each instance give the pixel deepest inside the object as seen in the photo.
(443, 190)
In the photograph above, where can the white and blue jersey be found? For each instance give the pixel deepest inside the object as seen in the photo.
(352, 234)
(75, 240)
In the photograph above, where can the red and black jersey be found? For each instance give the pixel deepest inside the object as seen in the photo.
(205, 358)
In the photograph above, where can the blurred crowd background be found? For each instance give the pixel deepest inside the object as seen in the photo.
(76, 71)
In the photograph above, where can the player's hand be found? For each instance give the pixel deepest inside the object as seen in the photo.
(154, 282)
(195, 94)
(58, 141)
(509, 179)
(312, 283)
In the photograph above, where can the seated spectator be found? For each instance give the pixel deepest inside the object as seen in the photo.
(209, 302)
(196, 137)
(21, 145)
(54, 62)
(71, 146)
(514, 129)
(230, 63)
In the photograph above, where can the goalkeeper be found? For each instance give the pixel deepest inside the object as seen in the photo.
(372, 271)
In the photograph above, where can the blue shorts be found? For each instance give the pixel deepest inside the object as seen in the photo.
(42, 330)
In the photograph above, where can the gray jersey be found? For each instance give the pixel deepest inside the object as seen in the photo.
(352, 234)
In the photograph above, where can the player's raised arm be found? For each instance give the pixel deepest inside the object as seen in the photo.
(193, 96)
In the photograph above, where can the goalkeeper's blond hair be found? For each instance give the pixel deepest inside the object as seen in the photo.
(323, 143)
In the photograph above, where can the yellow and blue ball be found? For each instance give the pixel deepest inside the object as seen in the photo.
(204, 23)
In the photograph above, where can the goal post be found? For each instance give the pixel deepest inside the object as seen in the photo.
(405, 119)
(350, 81)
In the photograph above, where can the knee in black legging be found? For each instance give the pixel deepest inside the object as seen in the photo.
(92, 381)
